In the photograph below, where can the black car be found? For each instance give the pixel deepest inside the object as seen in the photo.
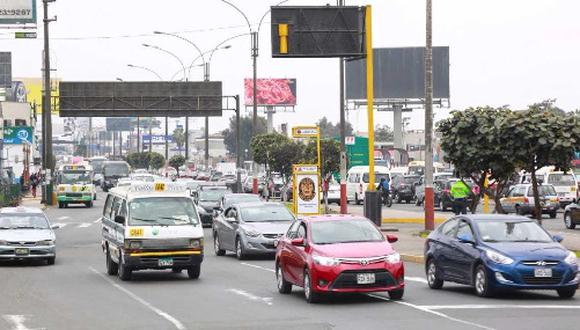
(446, 200)
(404, 187)
(208, 199)
(572, 215)
(112, 172)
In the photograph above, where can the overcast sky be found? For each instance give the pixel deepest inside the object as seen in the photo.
(514, 52)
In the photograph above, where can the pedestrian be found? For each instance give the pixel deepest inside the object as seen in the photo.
(459, 194)
(33, 184)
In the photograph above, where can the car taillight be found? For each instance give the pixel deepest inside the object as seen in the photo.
(526, 200)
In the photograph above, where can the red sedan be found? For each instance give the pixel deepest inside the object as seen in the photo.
(337, 253)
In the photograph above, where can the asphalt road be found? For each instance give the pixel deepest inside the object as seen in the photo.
(76, 293)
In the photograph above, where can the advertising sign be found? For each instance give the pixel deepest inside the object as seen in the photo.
(18, 135)
(304, 131)
(17, 11)
(306, 189)
(33, 89)
(271, 92)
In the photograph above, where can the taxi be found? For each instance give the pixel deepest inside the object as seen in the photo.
(151, 225)
(520, 200)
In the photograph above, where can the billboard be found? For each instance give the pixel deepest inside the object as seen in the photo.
(399, 73)
(17, 11)
(33, 88)
(157, 139)
(271, 92)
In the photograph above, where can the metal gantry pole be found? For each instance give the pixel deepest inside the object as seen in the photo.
(166, 138)
(429, 211)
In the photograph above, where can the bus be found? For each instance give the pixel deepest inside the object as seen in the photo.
(75, 185)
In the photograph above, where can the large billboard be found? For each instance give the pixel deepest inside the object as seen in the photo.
(399, 73)
(17, 11)
(33, 88)
(271, 92)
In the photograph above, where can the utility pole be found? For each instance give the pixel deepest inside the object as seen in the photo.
(343, 199)
(47, 164)
(255, 102)
(238, 147)
(206, 128)
(429, 212)
(166, 139)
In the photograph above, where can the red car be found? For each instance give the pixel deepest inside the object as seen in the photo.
(338, 253)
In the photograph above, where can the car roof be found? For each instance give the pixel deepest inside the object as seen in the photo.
(494, 217)
(330, 217)
(21, 209)
(256, 204)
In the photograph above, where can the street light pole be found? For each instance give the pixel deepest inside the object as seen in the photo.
(429, 212)
(46, 108)
(343, 199)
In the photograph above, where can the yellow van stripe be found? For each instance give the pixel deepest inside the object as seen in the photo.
(164, 253)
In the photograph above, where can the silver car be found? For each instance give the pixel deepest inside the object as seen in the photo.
(26, 233)
(250, 228)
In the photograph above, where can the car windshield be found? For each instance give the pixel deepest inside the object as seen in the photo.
(83, 177)
(543, 191)
(162, 211)
(211, 195)
(97, 164)
(234, 199)
(23, 221)
(116, 169)
(378, 177)
(512, 231)
(345, 231)
(561, 179)
(411, 179)
(266, 213)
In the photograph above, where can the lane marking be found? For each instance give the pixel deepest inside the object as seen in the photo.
(427, 310)
(257, 267)
(84, 225)
(64, 217)
(416, 279)
(437, 307)
(178, 325)
(17, 322)
(97, 221)
(245, 294)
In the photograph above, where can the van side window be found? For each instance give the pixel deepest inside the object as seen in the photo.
(107, 208)
(123, 210)
(116, 207)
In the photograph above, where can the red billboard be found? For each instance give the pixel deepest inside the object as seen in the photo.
(271, 92)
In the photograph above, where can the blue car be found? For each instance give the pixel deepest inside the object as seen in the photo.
(495, 252)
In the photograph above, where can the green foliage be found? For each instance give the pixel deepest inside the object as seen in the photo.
(179, 137)
(146, 160)
(277, 152)
(384, 133)
(330, 151)
(330, 131)
(156, 160)
(245, 134)
(176, 162)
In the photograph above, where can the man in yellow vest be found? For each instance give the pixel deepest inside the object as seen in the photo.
(460, 192)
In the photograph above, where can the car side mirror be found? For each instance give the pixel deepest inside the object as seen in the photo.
(392, 238)
(298, 241)
(231, 219)
(557, 238)
(464, 238)
(54, 227)
(120, 219)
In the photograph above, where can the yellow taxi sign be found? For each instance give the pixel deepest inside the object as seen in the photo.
(305, 131)
(159, 186)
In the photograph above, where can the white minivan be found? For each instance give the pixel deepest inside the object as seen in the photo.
(357, 181)
(566, 184)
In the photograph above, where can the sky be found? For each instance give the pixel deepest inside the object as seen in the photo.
(514, 52)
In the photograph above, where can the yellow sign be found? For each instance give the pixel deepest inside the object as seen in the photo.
(160, 186)
(283, 33)
(305, 131)
(34, 92)
(136, 232)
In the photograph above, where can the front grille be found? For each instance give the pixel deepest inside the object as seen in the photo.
(7, 252)
(74, 195)
(530, 279)
(268, 245)
(540, 262)
(37, 252)
(362, 261)
(272, 236)
(21, 243)
(347, 280)
(165, 244)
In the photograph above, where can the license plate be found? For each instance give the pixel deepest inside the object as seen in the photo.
(21, 252)
(165, 262)
(365, 278)
(543, 272)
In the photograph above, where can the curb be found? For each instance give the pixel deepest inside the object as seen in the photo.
(412, 220)
(413, 258)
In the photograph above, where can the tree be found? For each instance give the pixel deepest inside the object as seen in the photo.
(383, 133)
(179, 137)
(245, 133)
(473, 142)
(176, 162)
(331, 131)
(156, 160)
(330, 152)
(152, 160)
(277, 152)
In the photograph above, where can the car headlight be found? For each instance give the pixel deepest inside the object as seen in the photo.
(393, 258)
(196, 243)
(326, 261)
(133, 244)
(498, 258)
(47, 242)
(252, 233)
(3, 242)
(571, 259)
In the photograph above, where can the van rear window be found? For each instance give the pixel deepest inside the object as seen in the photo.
(378, 177)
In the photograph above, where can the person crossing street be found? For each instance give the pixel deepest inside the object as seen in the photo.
(459, 193)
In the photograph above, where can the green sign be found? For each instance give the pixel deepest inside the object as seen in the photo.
(25, 35)
(18, 135)
(358, 152)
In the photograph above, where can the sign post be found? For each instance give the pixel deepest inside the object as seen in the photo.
(306, 189)
(305, 132)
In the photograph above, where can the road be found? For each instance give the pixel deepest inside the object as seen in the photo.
(76, 293)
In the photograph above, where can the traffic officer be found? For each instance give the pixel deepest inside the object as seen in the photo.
(459, 192)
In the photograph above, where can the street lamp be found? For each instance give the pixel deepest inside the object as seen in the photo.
(170, 53)
(119, 79)
(146, 69)
(203, 64)
(186, 40)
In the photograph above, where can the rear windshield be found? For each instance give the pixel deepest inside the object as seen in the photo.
(266, 214)
(543, 191)
(561, 179)
(378, 177)
(118, 169)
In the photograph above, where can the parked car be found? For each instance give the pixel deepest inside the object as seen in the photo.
(338, 253)
(520, 200)
(358, 179)
(403, 187)
(493, 252)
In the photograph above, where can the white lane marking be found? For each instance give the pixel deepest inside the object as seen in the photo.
(416, 279)
(427, 310)
(437, 307)
(85, 225)
(257, 267)
(97, 221)
(17, 322)
(60, 225)
(64, 217)
(178, 325)
(266, 300)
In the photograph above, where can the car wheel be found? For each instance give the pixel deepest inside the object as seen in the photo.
(356, 200)
(417, 201)
(50, 261)
(125, 272)
(481, 283)
(60, 205)
(518, 210)
(95, 197)
(553, 215)
(408, 201)
(284, 287)
(433, 281)
(240, 254)
(112, 267)
(193, 272)
(568, 221)
(398, 198)
(311, 296)
(567, 293)
(89, 204)
(216, 246)
(397, 294)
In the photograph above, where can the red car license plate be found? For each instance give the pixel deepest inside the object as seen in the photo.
(365, 278)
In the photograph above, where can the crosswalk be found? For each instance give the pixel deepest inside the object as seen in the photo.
(76, 225)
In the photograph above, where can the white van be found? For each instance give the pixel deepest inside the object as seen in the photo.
(566, 184)
(357, 181)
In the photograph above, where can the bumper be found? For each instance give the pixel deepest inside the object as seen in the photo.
(151, 260)
(521, 277)
(9, 252)
(546, 209)
(79, 199)
(259, 245)
(343, 278)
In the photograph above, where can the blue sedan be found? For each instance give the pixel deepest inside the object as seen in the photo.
(494, 252)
